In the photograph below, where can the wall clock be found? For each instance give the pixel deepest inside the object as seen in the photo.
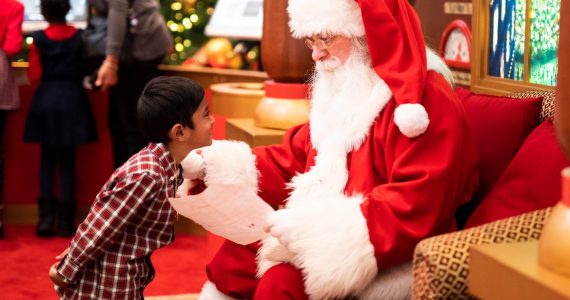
(455, 45)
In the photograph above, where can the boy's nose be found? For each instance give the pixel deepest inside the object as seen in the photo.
(319, 54)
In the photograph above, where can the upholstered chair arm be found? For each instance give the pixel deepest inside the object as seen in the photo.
(441, 263)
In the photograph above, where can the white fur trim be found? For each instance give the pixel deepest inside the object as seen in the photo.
(210, 292)
(270, 254)
(309, 17)
(230, 162)
(394, 283)
(193, 165)
(331, 246)
(343, 263)
(349, 119)
(411, 118)
(436, 63)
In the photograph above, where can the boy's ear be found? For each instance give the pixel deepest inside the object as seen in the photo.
(177, 132)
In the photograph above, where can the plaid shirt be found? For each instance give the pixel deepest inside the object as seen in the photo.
(131, 217)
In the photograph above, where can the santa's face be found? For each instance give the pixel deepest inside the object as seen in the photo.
(350, 80)
(340, 97)
(330, 52)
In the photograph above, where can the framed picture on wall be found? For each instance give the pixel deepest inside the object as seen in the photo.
(455, 45)
(515, 45)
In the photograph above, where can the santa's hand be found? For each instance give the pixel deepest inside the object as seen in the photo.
(281, 226)
(193, 166)
(270, 254)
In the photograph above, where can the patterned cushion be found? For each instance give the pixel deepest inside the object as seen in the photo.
(441, 263)
(547, 111)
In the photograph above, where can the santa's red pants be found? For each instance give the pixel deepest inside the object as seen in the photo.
(233, 272)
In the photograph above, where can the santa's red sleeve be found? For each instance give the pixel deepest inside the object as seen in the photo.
(277, 164)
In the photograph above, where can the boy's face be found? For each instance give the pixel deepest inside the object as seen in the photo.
(201, 135)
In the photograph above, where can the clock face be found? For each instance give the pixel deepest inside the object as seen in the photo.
(457, 47)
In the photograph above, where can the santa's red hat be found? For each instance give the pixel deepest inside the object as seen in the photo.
(395, 41)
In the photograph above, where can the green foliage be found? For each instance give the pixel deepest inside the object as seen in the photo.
(186, 20)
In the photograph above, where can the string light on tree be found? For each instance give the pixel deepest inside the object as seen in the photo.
(186, 20)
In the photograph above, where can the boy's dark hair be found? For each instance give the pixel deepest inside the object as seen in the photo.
(54, 11)
(166, 101)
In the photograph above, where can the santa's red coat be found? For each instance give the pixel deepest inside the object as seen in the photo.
(407, 189)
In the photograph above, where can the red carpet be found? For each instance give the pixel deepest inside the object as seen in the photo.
(25, 261)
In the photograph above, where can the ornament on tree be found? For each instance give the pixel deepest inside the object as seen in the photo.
(252, 58)
(198, 59)
(236, 62)
(219, 52)
(188, 5)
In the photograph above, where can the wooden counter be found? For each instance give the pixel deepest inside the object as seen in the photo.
(208, 76)
(245, 130)
(204, 75)
(512, 271)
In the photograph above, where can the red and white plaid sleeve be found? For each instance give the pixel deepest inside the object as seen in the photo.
(110, 214)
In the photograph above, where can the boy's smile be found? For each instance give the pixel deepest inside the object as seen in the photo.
(201, 134)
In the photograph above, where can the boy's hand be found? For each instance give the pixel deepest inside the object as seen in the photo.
(56, 278)
(54, 275)
(62, 255)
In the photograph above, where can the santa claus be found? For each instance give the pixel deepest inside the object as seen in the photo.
(384, 161)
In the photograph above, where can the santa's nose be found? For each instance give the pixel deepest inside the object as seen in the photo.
(319, 54)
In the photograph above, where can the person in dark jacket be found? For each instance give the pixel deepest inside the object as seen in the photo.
(137, 41)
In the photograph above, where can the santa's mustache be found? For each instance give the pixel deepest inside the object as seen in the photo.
(328, 65)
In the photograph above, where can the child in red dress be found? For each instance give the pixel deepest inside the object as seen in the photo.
(60, 116)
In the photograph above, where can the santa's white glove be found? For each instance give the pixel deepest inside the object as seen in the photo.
(281, 225)
(193, 165)
(270, 254)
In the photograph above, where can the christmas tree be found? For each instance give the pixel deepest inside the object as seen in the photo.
(186, 20)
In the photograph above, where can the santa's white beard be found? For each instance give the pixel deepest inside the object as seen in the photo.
(345, 84)
(338, 96)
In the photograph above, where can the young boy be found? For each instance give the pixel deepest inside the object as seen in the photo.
(109, 256)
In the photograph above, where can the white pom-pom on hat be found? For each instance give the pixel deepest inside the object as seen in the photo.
(411, 118)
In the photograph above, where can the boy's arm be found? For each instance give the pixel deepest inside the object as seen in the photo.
(112, 211)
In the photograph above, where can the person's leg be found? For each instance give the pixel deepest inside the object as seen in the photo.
(46, 202)
(66, 208)
(233, 270)
(139, 74)
(281, 282)
(3, 115)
